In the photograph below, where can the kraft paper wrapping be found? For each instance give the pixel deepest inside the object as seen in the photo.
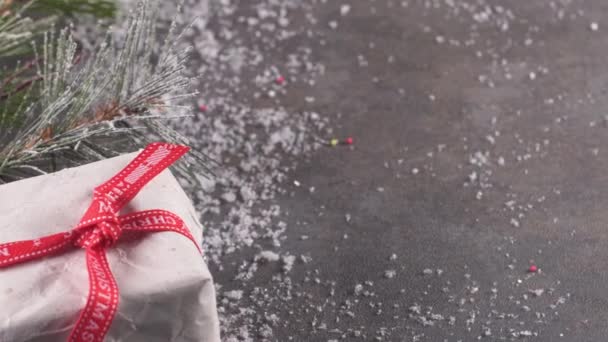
(166, 290)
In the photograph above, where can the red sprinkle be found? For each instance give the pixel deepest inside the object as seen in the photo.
(349, 141)
(280, 80)
(532, 269)
(202, 108)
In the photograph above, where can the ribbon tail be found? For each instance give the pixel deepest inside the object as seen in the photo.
(151, 221)
(18, 252)
(112, 195)
(102, 303)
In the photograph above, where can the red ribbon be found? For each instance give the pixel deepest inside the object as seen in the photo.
(100, 228)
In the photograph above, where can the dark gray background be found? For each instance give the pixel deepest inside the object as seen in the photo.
(550, 129)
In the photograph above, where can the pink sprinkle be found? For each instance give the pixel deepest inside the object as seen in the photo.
(280, 80)
(202, 108)
(532, 269)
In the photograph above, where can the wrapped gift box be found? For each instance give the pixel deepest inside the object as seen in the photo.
(166, 290)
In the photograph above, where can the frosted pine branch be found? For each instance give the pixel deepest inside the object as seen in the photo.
(17, 30)
(86, 109)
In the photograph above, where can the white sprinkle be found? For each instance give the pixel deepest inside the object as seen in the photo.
(537, 292)
(265, 256)
(344, 9)
(437, 317)
(594, 26)
(358, 289)
(229, 197)
(389, 274)
(525, 333)
(235, 294)
(415, 309)
(472, 176)
(288, 261)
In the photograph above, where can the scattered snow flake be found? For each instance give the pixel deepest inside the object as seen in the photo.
(358, 289)
(344, 9)
(436, 317)
(267, 256)
(472, 177)
(389, 274)
(288, 261)
(537, 292)
(594, 26)
(523, 333)
(416, 309)
(234, 294)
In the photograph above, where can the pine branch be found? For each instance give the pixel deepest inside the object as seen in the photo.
(106, 98)
(17, 30)
(97, 8)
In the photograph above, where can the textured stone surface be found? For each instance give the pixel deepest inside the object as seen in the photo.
(480, 148)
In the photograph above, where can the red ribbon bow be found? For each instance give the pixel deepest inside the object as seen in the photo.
(101, 227)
